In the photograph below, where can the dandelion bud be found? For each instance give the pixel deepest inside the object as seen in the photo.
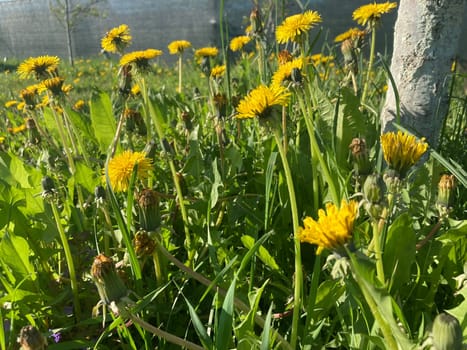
(392, 180)
(360, 156)
(447, 333)
(220, 103)
(108, 283)
(33, 135)
(31, 339)
(373, 188)
(296, 76)
(446, 186)
(148, 203)
(350, 59)
(205, 65)
(144, 245)
(48, 185)
(186, 118)
(255, 21)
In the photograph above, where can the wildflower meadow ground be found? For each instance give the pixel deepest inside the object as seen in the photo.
(242, 197)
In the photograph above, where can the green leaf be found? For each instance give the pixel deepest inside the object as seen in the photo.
(14, 253)
(460, 311)
(224, 328)
(85, 177)
(217, 183)
(252, 251)
(262, 252)
(102, 120)
(199, 327)
(266, 330)
(399, 251)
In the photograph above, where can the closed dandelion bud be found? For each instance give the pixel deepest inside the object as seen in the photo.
(220, 103)
(296, 76)
(126, 79)
(31, 339)
(33, 134)
(108, 283)
(447, 333)
(144, 245)
(148, 203)
(373, 188)
(255, 21)
(48, 185)
(392, 180)
(360, 156)
(187, 121)
(446, 186)
(205, 65)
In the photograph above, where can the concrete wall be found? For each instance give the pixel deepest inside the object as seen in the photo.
(27, 27)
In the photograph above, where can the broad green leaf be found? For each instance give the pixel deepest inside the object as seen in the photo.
(102, 120)
(262, 252)
(225, 325)
(379, 301)
(252, 251)
(460, 311)
(86, 177)
(399, 251)
(14, 252)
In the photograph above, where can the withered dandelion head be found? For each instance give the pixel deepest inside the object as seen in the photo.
(333, 228)
(237, 43)
(372, 13)
(40, 67)
(177, 47)
(121, 168)
(284, 56)
(139, 60)
(117, 39)
(260, 101)
(293, 27)
(401, 151)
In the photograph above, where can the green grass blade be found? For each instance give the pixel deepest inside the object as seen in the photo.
(225, 325)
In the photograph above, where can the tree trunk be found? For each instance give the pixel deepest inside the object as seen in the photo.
(68, 29)
(426, 39)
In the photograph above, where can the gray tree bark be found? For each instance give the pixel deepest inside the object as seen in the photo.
(426, 40)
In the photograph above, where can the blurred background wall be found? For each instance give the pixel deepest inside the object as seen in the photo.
(29, 28)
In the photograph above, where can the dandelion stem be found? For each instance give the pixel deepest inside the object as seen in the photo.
(298, 259)
(165, 335)
(370, 65)
(180, 64)
(69, 261)
(377, 237)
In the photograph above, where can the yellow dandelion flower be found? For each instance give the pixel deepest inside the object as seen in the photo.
(79, 105)
(321, 59)
(293, 27)
(17, 129)
(2, 139)
(237, 43)
(371, 13)
(333, 228)
(178, 46)
(117, 39)
(39, 67)
(139, 59)
(206, 52)
(135, 90)
(121, 169)
(284, 72)
(54, 85)
(352, 33)
(218, 71)
(259, 101)
(11, 103)
(402, 150)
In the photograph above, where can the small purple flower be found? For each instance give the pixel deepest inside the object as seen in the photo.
(56, 336)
